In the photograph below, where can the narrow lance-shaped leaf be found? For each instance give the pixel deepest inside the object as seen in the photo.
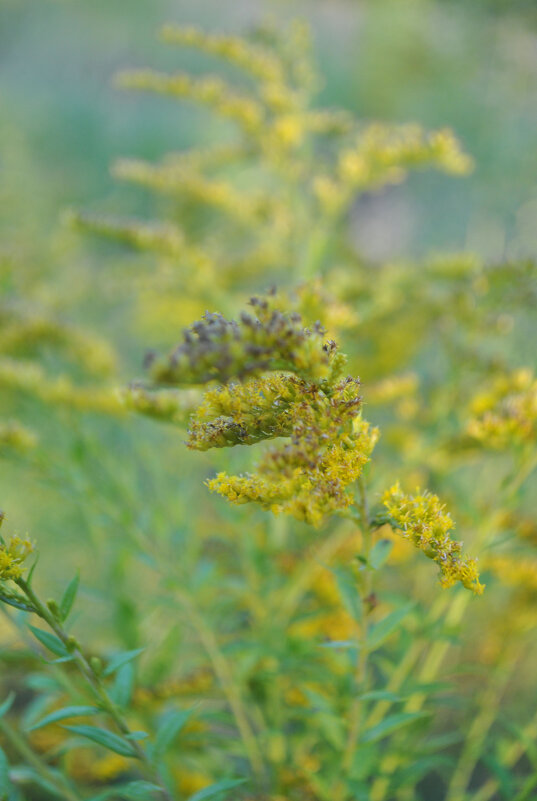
(7, 704)
(390, 724)
(121, 692)
(121, 659)
(133, 791)
(170, 726)
(68, 599)
(349, 594)
(216, 789)
(113, 742)
(380, 631)
(64, 713)
(50, 641)
(5, 783)
(380, 552)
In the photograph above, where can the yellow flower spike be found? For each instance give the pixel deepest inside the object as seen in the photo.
(423, 520)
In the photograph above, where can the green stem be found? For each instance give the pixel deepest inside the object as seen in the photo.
(356, 710)
(475, 739)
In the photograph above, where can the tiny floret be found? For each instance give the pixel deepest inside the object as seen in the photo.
(13, 554)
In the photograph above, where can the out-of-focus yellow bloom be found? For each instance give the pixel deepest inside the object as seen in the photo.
(191, 781)
(392, 389)
(210, 91)
(31, 378)
(423, 520)
(507, 412)
(27, 332)
(16, 436)
(518, 572)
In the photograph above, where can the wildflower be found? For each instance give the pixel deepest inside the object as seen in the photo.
(13, 555)
(210, 91)
(507, 412)
(258, 61)
(423, 520)
(31, 378)
(519, 573)
(169, 405)
(277, 379)
(308, 477)
(216, 348)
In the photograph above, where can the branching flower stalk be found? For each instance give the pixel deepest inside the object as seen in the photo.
(452, 610)
(13, 555)
(278, 380)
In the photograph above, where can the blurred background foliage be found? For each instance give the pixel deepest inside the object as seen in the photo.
(93, 479)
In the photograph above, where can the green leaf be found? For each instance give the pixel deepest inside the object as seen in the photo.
(31, 571)
(65, 712)
(123, 685)
(216, 789)
(133, 791)
(16, 601)
(349, 594)
(26, 775)
(8, 703)
(380, 631)
(121, 659)
(50, 641)
(68, 599)
(380, 695)
(380, 552)
(390, 724)
(113, 742)
(170, 726)
(139, 790)
(5, 783)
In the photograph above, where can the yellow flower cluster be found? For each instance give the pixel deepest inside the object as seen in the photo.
(423, 520)
(14, 435)
(30, 377)
(220, 349)
(520, 573)
(507, 412)
(275, 379)
(254, 59)
(169, 405)
(24, 333)
(165, 238)
(12, 555)
(309, 476)
(178, 177)
(392, 388)
(383, 154)
(210, 91)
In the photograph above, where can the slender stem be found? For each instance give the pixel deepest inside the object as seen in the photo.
(32, 759)
(225, 677)
(454, 616)
(356, 710)
(515, 752)
(479, 728)
(93, 679)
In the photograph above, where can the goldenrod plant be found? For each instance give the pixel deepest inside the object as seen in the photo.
(253, 620)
